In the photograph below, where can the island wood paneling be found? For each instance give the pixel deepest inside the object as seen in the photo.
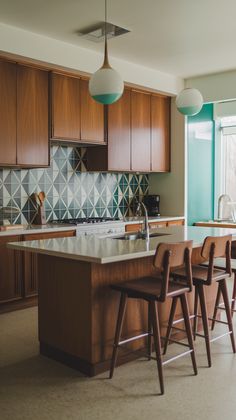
(78, 310)
(7, 113)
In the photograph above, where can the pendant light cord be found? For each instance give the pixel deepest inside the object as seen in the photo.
(106, 62)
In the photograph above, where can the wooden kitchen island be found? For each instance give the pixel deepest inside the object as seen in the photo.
(77, 308)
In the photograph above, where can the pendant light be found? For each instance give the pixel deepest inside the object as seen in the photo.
(189, 101)
(106, 86)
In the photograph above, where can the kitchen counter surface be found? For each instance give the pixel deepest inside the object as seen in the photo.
(215, 223)
(109, 249)
(49, 227)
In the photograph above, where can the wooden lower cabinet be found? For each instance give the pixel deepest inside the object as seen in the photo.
(10, 271)
(135, 227)
(19, 271)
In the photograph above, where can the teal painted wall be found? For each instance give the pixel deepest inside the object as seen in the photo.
(201, 165)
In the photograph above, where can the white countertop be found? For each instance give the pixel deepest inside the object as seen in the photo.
(107, 250)
(31, 229)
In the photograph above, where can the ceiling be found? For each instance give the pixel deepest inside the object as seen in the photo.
(185, 38)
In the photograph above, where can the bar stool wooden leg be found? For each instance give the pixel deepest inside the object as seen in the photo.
(157, 342)
(149, 332)
(120, 320)
(185, 310)
(216, 306)
(170, 323)
(205, 321)
(224, 291)
(233, 296)
(195, 319)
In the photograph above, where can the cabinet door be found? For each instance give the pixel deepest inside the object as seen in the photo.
(119, 134)
(160, 134)
(31, 260)
(32, 117)
(65, 91)
(141, 133)
(7, 113)
(10, 271)
(92, 116)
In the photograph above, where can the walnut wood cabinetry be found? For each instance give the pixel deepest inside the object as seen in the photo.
(76, 117)
(7, 113)
(141, 132)
(19, 271)
(31, 260)
(135, 227)
(24, 135)
(11, 288)
(138, 135)
(32, 117)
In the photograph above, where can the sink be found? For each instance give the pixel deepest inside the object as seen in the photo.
(138, 235)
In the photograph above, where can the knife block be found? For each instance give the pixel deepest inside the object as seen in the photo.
(40, 218)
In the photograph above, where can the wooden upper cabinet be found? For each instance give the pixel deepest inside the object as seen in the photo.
(32, 117)
(119, 134)
(160, 134)
(65, 112)
(92, 116)
(7, 113)
(141, 133)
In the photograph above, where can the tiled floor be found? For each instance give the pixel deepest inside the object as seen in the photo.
(36, 388)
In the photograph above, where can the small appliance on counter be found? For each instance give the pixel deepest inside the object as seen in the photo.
(8, 216)
(152, 202)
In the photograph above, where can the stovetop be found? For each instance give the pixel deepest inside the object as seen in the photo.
(83, 220)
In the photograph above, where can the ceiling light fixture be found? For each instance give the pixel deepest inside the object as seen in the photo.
(106, 86)
(189, 101)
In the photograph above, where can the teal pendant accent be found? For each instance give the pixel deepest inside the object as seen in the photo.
(189, 110)
(107, 98)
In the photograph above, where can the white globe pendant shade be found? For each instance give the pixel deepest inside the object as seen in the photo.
(189, 101)
(106, 86)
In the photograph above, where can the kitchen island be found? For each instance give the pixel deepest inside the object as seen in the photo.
(77, 308)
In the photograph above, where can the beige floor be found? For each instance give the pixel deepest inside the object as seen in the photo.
(36, 388)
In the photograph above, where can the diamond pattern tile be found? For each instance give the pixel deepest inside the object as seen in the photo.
(70, 190)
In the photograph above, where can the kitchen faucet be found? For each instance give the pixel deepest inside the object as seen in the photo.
(145, 230)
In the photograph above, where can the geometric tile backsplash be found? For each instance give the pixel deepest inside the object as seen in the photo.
(70, 190)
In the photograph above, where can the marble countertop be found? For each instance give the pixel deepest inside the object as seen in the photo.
(49, 227)
(105, 250)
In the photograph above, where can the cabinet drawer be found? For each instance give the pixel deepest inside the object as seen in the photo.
(156, 225)
(175, 223)
(135, 227)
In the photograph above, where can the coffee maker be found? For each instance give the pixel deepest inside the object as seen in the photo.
(152, 203)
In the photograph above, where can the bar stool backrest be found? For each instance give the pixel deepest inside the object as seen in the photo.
(172, 255)
(216, 247)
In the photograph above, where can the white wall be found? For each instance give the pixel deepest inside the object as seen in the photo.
(28, 44)
(171, 186)
(215, 87)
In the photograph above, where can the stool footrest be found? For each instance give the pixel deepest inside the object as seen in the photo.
(182, 319)
(177, 357)
(136, 337)
(220, 336)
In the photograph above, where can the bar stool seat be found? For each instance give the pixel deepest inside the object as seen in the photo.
(154, 290)
(149, 288)
(203, 276)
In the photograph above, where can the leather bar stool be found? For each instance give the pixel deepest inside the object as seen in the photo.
(203, 276)
(154, 290)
